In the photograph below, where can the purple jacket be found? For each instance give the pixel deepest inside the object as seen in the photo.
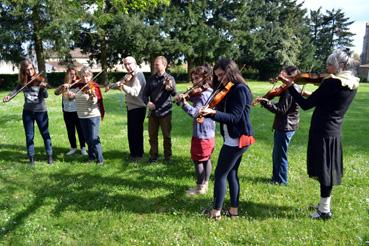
(206, 129)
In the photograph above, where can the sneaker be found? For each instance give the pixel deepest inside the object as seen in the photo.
(71, 151)
(193, 191)
(320, 215)
(84, 152)
(203, 189)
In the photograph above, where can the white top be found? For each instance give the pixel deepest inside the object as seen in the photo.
(228, 140)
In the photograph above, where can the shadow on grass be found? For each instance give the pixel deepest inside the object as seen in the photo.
(78, 192)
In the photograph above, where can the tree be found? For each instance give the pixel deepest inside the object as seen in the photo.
(37, 25)
(329, 31)
(190, 31)
(114, 29)
(271, 34)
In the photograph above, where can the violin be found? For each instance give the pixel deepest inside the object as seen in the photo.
(193, 91)
(89, 88)
(35, 80)
(300, 78)
(120, 83)
(216, 98)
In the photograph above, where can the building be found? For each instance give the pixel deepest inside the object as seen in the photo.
(54, 64)
(364, 57)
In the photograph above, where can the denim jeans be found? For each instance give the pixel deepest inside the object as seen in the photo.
(42, 121)
(91, 129)
(280, 161)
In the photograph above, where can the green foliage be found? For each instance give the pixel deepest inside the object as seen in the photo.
(329, 31)
(128, 203)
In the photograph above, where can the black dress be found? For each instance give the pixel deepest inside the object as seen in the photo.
(324, 154)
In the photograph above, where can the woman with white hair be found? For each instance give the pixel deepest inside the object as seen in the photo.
(331, 101)
(90, 110)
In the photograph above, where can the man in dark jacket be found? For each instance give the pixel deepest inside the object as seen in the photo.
(158, 94)
(285, 124)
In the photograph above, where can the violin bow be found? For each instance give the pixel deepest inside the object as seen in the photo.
(24, 86)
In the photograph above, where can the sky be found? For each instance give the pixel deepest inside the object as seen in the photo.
(356, 10)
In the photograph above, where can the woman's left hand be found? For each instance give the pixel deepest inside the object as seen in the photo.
(285, 78)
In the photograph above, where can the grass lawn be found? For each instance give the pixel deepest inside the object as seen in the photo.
(74, 203)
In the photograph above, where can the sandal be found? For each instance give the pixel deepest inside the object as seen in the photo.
(230, 215)
(211, 215)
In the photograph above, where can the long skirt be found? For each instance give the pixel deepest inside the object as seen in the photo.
(324, 159)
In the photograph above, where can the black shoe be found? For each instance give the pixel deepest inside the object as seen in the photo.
(32, 160)
(50, 159)
(152, 160)
(320, 215)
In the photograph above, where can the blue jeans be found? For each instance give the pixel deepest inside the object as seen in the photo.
(280, 161)
(91, 129)
(42, 121)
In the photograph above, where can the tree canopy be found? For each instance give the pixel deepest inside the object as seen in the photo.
(264, 35)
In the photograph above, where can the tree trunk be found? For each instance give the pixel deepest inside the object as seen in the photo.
(189, 67)
(103, 60)
(38, 40)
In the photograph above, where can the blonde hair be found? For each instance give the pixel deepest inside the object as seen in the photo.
(162, 59)
(23, 76)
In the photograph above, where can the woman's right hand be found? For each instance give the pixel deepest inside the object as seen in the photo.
(151, 106)
(6, 99)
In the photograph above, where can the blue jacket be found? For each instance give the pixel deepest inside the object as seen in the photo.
(234, 111)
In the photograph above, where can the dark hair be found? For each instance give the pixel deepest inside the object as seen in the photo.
(206, 71)
(232, 72)
(290, 70)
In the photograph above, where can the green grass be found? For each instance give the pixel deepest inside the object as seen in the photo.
(136, 203)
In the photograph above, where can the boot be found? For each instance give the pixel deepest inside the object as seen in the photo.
(50, 159)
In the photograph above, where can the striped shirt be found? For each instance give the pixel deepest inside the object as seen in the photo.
(86, 107)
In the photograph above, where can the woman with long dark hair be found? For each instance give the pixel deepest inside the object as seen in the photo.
(34, 109)
(70, 111)
(232, 112)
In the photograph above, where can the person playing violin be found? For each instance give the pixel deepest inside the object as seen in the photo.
(286, 122)
(202, 143)
(90, 110)
(331, 101)
(158, 93)
(34, 108)
(69, 108)
(133, 86)
(232, 112)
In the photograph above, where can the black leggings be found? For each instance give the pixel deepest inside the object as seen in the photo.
(325, 191)
(228, 162)
(203, 171)
(72, 123)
